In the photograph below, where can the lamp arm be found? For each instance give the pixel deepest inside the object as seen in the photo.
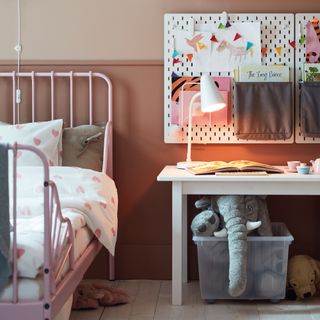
(190, 125)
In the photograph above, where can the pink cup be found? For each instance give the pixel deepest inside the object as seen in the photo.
(292, 165)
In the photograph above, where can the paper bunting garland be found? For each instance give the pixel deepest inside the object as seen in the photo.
(279, 50)
(175, 54)
(292, 44)
(200, 45)
(176, 61)
(214, 38)
(237, 36)
(249, 45)
(221, 26)
(302, 39)
(264, 51)
(228, 24)
(190, 57)
(251, 52)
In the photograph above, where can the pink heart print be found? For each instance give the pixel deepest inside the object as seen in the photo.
(55, 132)
(97, 233)
(20, 252)
(80, 189)
(113, 231)
(36, 141)
(103, 204)
(26, 211)
(88, 206)
(96, 179)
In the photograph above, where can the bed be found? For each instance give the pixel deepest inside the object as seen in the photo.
(60, 216)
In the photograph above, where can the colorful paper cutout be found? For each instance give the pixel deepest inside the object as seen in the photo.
(302, 39)
(228, 24)
(200, 45)
(264, 51)
(279, 50)
(175, 54)
(221, 26)
(190, 56)
(176, 61)
(237, 36)
(249, 45)
(214, 38)
(251, 50)
(193, 42)
(292, 44)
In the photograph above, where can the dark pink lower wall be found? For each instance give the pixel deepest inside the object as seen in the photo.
(144, 243)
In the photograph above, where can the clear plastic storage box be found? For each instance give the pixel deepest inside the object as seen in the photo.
(266, 268)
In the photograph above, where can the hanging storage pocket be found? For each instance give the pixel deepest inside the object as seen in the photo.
(263, 110)
(310, 109)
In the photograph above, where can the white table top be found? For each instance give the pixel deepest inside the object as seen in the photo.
(171, 173)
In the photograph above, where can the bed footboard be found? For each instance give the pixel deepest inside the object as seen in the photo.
(58, 248)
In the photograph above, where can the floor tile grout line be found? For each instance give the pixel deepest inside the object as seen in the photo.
(156, 308)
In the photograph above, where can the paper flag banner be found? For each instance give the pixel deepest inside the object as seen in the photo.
(249, 45)
(174, 75)
(200, 45)
(190, 56)
(302, 39)
(175, 54)
(279, 50)
(264, 51)
(251, 52)
(221, 26)
(214, 38)
(237, 36)
(228, 24)
(176, 61)
(292, 44)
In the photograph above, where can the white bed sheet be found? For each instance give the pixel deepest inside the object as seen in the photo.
(32, 289)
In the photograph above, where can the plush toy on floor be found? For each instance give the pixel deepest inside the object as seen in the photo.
(303, 278)
(90, 295)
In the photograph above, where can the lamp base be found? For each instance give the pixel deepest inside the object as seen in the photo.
(189, 164)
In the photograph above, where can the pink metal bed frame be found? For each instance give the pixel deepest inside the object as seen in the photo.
(58, 234)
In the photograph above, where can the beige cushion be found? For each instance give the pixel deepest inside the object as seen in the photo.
(83, 147)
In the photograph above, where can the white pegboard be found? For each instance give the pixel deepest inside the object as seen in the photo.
(301, 20)
(276, 30)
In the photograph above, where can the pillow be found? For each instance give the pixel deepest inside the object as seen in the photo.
(46, 136)
(83, 147)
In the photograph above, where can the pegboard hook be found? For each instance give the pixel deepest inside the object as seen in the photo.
(225, 17)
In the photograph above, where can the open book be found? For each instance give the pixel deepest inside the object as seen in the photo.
(236, 165)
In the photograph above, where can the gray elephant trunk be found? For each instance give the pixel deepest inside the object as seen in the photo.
(237, 240)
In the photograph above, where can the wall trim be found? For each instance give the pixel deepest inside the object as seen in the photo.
(84, 62)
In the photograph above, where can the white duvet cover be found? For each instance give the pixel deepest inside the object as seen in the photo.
(87, 198)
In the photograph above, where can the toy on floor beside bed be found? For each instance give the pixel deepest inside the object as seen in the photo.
(303, 278)
(90, 295)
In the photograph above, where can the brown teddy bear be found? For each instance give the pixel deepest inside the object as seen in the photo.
(89, 295)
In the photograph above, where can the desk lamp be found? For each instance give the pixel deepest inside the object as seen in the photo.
(211, 100)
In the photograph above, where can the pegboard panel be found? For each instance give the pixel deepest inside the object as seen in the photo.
(277, 30)
(301, 20)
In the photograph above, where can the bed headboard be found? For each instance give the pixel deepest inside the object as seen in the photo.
(71, 96)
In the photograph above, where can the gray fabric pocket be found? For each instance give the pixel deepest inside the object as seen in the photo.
(310, 109)
(263, 110)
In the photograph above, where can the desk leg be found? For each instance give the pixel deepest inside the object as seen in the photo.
(177, 246)
(184, 239)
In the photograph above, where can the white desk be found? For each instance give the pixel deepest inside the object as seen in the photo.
(184, 183)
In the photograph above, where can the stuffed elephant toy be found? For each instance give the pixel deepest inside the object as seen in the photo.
(241, 214)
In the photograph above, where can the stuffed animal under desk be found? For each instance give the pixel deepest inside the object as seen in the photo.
(303, 278)
(240, 215)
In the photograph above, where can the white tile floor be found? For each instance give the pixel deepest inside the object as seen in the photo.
(151, 300)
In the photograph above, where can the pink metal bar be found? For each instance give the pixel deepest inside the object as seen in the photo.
(90, 97)
(33, 96)
(14, 246)
(71, 99)
(13, 74)
(52, 94)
